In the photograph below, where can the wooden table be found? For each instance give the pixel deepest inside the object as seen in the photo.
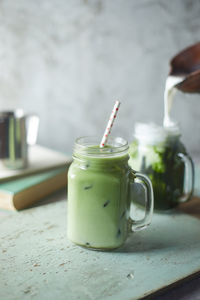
(38, 262)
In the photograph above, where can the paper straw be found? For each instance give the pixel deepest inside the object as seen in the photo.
(110, 124)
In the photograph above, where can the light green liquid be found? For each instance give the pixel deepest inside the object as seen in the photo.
(98, 202)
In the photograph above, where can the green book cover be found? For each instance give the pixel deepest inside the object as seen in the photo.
(18, 185)
(23, 192)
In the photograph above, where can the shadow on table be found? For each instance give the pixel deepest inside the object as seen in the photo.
(172, 232)
(54, 197)
(139, 243)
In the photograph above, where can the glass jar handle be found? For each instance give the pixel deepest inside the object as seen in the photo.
(188, 178)
(149, 201)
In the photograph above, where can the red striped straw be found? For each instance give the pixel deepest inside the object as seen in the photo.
(110, 124)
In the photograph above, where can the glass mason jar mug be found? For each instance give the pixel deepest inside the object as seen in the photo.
(159, 153)
(99, 197)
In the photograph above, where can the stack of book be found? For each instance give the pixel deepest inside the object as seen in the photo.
(46, 173)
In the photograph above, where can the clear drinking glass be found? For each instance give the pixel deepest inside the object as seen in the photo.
(17, 132)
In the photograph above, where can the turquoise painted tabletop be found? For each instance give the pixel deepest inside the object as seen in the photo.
(38, 262)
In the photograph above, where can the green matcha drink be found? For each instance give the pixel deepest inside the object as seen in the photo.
(161, 155)
(99, 194)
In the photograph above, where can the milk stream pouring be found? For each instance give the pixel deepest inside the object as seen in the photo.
(169, 93)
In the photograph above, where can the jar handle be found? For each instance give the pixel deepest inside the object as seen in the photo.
(149, 201)
(188, 176)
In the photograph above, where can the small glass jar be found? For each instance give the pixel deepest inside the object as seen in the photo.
(99, 198)
(159, 153)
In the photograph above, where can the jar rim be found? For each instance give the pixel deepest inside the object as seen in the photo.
(89, 145)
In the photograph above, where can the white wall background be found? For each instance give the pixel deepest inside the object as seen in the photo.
(69, 60)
